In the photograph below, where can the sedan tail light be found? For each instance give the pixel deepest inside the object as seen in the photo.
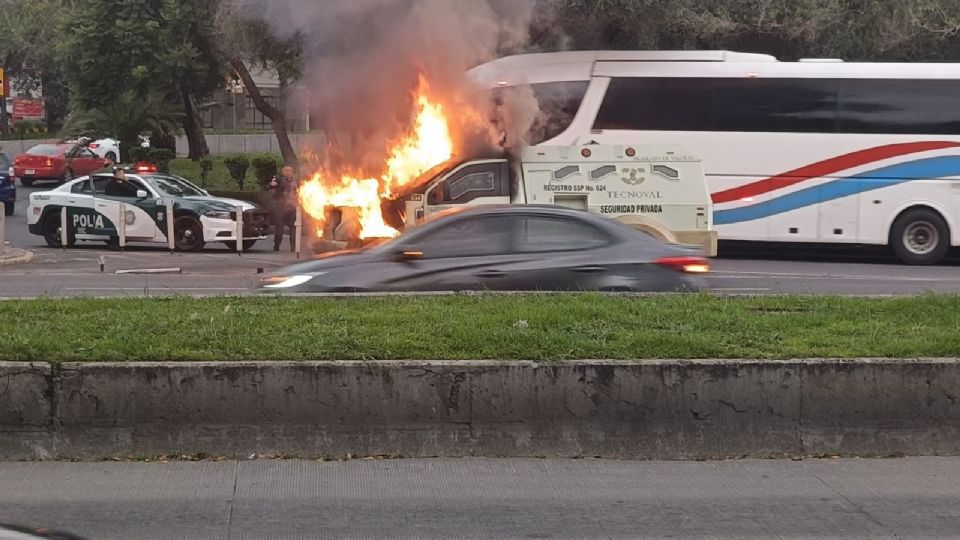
(17, 160)
(687, 265)
(49, 162)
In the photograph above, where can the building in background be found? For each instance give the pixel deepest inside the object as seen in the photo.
(232, 109)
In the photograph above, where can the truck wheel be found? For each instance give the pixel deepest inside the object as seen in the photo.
(920, 237)
(187, 234)
(51, 231)
(247, 245)
(8, 208)
(111, 156)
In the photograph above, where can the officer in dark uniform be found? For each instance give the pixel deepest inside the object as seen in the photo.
(119, 186)
(284, 188)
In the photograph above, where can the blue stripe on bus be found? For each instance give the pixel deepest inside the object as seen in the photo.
(892, 175)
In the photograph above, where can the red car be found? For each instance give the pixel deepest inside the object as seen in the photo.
(58, 162)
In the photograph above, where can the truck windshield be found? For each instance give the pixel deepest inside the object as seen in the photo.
(424, 179)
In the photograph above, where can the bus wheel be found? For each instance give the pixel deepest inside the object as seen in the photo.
(920, 236)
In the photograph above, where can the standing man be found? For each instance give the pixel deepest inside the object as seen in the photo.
(285, 205)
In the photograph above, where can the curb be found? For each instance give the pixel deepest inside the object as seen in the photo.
(12, 255)
(664, 409)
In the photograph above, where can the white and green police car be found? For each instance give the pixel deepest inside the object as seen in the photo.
(93, 215)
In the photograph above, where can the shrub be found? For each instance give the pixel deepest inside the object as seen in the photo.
(163, 140)
(264, 168)
(206, 165)
(25, 129)
(237, 165)
(161, 157)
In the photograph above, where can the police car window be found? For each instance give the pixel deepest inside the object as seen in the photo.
(170, 186)
(540, 234)
(81, 187)
(472, 237)
(100, 184)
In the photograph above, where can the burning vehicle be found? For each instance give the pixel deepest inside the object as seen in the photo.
(658, 189)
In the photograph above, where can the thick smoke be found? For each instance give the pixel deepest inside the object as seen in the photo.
(363, 59)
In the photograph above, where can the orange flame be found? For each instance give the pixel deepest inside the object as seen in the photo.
(426, 145)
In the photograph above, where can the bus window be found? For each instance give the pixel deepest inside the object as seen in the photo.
(900, 106)
(719, 104)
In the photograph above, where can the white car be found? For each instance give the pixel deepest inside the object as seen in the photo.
(94, 205)
(110, 148)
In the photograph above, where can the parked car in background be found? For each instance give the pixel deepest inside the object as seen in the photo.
(56, 162)
(8, 185)
(505, 248)
(110, 148)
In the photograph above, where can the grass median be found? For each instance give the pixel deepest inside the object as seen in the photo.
(530, 327)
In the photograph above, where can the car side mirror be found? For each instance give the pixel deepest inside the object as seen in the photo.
(408, 254)
(141, 194)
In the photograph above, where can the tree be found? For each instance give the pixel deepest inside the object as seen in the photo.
(191, 59)
(126, 117)
(29, 28)
(144, 46)
(246, 42)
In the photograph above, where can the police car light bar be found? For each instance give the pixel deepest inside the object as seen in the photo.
(145, 167)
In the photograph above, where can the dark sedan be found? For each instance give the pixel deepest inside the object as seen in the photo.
(504, 248)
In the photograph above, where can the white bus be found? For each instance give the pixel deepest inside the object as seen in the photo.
(818, 151)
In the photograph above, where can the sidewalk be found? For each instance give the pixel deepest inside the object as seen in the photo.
(11, 255)
(488, 498)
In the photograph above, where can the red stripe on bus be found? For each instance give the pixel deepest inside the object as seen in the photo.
(828, 167)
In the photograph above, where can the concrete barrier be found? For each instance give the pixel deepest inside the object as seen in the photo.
(646, 410)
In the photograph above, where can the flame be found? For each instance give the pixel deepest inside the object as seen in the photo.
(427, 144)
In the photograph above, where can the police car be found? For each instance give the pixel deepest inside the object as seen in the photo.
(93, 215)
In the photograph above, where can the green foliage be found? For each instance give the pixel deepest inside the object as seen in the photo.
(162, 139)
(28, 129)
(206, 165)
(237, 165)
(264, 168)
(545, 328)
(853, 30)
(161, 157)
(126, 118)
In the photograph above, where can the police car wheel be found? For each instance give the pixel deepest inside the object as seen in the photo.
(51, 231)
(187, 234)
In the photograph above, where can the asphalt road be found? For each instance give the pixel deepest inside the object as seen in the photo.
(487, 498)
(218, 271)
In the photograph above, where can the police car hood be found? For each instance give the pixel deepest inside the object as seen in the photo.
(221, 202)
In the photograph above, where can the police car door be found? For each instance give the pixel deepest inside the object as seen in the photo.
(139, 225)
(81, 215)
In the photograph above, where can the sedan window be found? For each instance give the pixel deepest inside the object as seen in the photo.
(468, 238)
(538, 234)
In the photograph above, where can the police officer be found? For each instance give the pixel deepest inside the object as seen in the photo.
(285, 203)
(119, 186)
